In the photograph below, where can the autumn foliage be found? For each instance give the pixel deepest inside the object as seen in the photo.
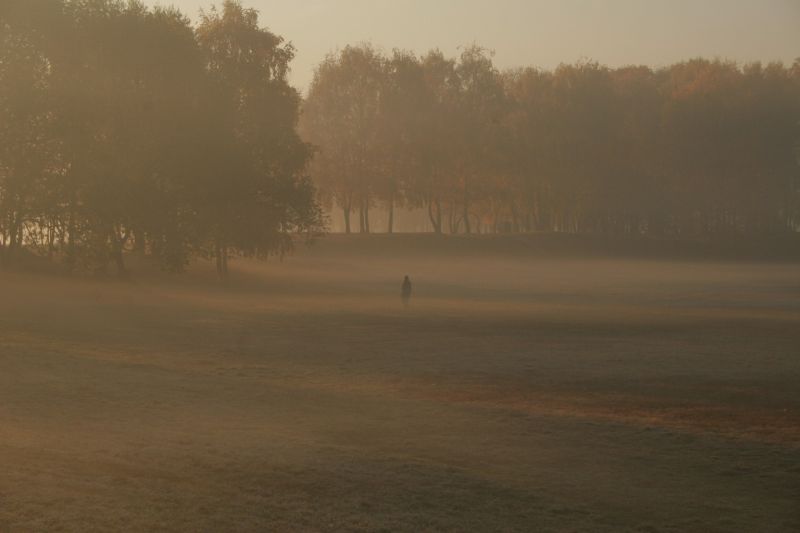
(697, 148)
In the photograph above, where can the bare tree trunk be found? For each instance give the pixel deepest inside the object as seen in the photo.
(514, 217)
(222, 260)
(467, 225)
(70, 259)
(436, 219)
(346, 212)
(117, 247)
(21, 235)
(51, 239)
(366, 216)
(390, 229)
(14, 237)
(361, 218)
(13, 234)
(2, 248)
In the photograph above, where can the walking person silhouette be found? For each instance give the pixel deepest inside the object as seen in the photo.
(405, 292)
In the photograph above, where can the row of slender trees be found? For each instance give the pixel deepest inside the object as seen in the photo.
(697, 148)
(127, 128)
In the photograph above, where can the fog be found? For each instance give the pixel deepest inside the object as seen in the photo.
(304, 396)
(544, 33)
(430, 286)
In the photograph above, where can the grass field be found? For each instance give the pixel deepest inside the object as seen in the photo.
(519, 392)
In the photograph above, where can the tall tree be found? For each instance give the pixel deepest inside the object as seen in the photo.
(257, 191)
(342, 117)
(479, 105)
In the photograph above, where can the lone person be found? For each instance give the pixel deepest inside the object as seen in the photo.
(406, 291)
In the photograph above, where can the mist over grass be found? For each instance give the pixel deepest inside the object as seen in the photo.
(200, 330)
(518, 392)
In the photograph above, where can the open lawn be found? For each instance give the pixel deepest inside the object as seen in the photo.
(519, 392)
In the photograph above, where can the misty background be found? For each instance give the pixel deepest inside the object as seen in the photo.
(535, 32)
(596, 206)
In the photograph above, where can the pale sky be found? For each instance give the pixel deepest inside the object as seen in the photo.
(541, 33)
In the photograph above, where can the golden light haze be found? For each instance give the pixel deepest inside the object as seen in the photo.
(536, 32)
(409, 287)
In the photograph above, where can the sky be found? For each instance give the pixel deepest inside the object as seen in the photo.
(541, 33)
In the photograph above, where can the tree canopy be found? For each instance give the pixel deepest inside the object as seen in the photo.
(124, 127)
(697, 148)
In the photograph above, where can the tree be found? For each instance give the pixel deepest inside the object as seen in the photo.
(26, 152)
(342, 118)
(479, 109)
(123, 126)
(255, 189)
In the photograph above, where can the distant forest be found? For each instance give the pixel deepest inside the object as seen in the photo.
(695, 149)
(127, 128)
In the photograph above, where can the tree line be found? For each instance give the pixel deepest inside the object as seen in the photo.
(698, 148)
(127, 128)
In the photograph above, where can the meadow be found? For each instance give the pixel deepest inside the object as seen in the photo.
(541, 391)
